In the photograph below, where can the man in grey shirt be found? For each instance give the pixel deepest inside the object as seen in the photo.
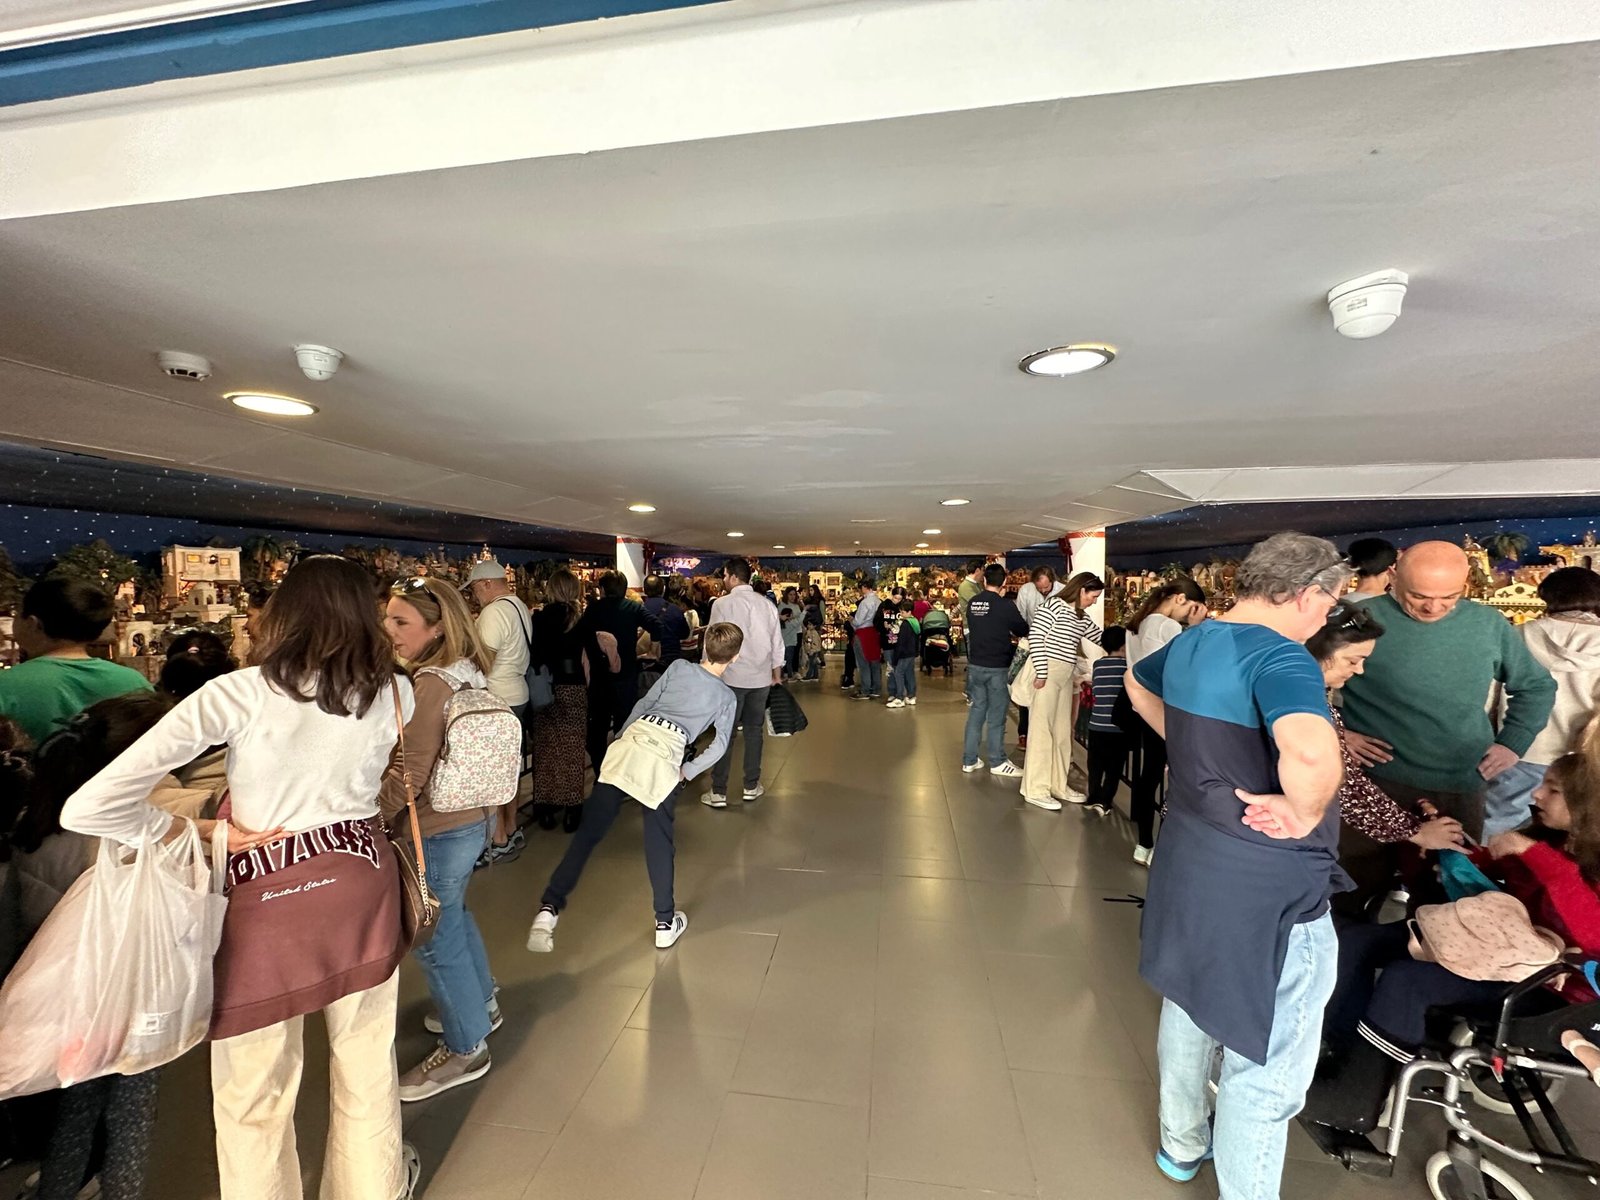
(759, 667)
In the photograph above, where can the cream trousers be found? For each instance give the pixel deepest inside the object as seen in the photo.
(255, 1080)
(1049, 756)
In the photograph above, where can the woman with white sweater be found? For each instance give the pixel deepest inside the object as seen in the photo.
(1566, 642)
(1060, 626)
(313, 920)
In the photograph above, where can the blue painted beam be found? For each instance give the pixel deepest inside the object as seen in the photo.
(270, 37)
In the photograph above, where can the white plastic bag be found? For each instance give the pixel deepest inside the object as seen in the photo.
(118, 978)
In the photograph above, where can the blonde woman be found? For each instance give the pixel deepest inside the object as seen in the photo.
(435, 637)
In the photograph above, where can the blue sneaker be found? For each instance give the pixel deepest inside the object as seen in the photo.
(1180, 1172)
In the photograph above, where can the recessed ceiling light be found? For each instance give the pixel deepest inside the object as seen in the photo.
(931, 532)
(734, 533)
(1059, 361)
(780, 547)
(641, 508)
(954, 502)
(275, 406)
(922, 545)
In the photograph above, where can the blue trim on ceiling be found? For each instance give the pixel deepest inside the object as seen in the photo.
(271, 37)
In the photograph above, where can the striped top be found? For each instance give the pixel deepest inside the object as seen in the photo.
(1057, 630)
(1106, 679)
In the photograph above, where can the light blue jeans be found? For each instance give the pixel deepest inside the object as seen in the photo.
(454, 960)
(1254, 1103)
(1508, 798)
(990, 699)
(870, 673)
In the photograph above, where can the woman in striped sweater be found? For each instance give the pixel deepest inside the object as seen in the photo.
(1060, 626)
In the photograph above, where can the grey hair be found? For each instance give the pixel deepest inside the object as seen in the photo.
(1286, 564)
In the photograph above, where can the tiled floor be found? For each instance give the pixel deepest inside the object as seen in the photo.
(898, 983)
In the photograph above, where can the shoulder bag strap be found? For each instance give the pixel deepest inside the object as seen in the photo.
(411, 796)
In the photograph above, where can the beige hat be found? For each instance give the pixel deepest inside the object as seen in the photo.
(1488, 936)
(489, 568)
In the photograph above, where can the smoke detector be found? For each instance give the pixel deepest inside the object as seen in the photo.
(318, 362)
(184, 366)
(1365, 307)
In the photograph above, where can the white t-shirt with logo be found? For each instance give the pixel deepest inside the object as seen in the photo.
(504, 625)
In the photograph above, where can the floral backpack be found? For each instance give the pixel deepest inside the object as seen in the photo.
(480, 764)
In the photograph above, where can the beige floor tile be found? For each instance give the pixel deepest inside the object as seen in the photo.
(924, 868)
(471, 1161)
(781, 1149)
(642, 1129)
(1022, 919)
(1052, 1019)
(1094, 1139)
(707, 984)
(811, 1037)
(881, 1188)
(926, 899)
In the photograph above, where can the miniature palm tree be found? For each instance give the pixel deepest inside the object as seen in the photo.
(1507, 547)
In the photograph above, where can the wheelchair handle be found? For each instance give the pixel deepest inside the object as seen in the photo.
(1533, 983)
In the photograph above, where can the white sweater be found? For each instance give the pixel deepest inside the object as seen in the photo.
(289, 763)
(1568, 646)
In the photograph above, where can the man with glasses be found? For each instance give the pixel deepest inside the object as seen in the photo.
(1418, 718)
(1237, 935)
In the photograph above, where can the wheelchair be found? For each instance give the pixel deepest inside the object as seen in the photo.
(1515, 1059)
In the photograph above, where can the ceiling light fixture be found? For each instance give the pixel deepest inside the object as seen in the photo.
(780, 547)
(273, 406)
(931, 532)
(954, 502)
(1061, 361)
(734, 533)
(922, 545)
(642, 508)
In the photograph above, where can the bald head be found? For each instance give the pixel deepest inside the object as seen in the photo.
(1430, 580)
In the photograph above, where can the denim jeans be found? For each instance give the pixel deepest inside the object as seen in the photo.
(903, 679)
(990, 699)
(1255, 1103)
(1508, 799)
(751, 717)
(871, 673)
(599, 812)
(454, 961)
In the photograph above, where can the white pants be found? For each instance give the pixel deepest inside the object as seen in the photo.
(255, 1081)
(1049, 757)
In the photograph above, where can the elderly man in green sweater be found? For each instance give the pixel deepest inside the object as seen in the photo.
(1418, 717)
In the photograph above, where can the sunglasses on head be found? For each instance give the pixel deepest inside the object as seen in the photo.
(405, 587)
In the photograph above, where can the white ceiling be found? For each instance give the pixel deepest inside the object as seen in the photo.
(791, 332)
(25, 22)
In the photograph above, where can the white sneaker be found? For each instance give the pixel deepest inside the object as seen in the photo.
(714, 800)
(413, 1165)
(896, 703)
(1073, 797)
(911, 701)
(435, 1026)
(1143, 854)
(969, 768)
(1007, 770)
(667, 934)
(542, 934)
(1048, 803)
(754, 793)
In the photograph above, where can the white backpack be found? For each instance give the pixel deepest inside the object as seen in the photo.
(480, 763)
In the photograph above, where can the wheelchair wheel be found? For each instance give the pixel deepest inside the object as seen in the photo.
(1489, 1093)
(1445, 1183)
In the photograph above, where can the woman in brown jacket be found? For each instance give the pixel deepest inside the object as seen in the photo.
(435, 637)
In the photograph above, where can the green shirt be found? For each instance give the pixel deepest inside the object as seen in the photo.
(1426, 690)
(965, 591)
(42, 692)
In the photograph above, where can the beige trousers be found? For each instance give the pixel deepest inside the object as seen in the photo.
(255, 1080)
(1049, 756)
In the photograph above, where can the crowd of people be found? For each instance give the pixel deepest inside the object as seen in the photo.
(1292, 765)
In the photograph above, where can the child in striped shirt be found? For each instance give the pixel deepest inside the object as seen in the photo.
(1108, 742)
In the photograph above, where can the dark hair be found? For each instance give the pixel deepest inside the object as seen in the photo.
(613, 584)
(994, 575)
(1113, 639)
(888, 607)
(739, 568)
(194, 659)
(257, 596)
(16, 775)
(1574, 775)
(1348, 625)
(321, 630)
(1083, 581)
(67, 760)
(1156, 597)
(869, 582)
(761, 587)
(1371, 556)
(68, 610)
(654, 586)
(1042, 571)
(976, 565)
(1571, 589)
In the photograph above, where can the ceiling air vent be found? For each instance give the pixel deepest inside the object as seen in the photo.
(184, 366)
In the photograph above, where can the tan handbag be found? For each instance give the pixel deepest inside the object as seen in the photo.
(419, 908)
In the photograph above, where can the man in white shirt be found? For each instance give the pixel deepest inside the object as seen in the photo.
(751, 676)
(505, 627)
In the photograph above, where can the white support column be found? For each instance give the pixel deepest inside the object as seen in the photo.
(630, 560)
(1088, 548)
